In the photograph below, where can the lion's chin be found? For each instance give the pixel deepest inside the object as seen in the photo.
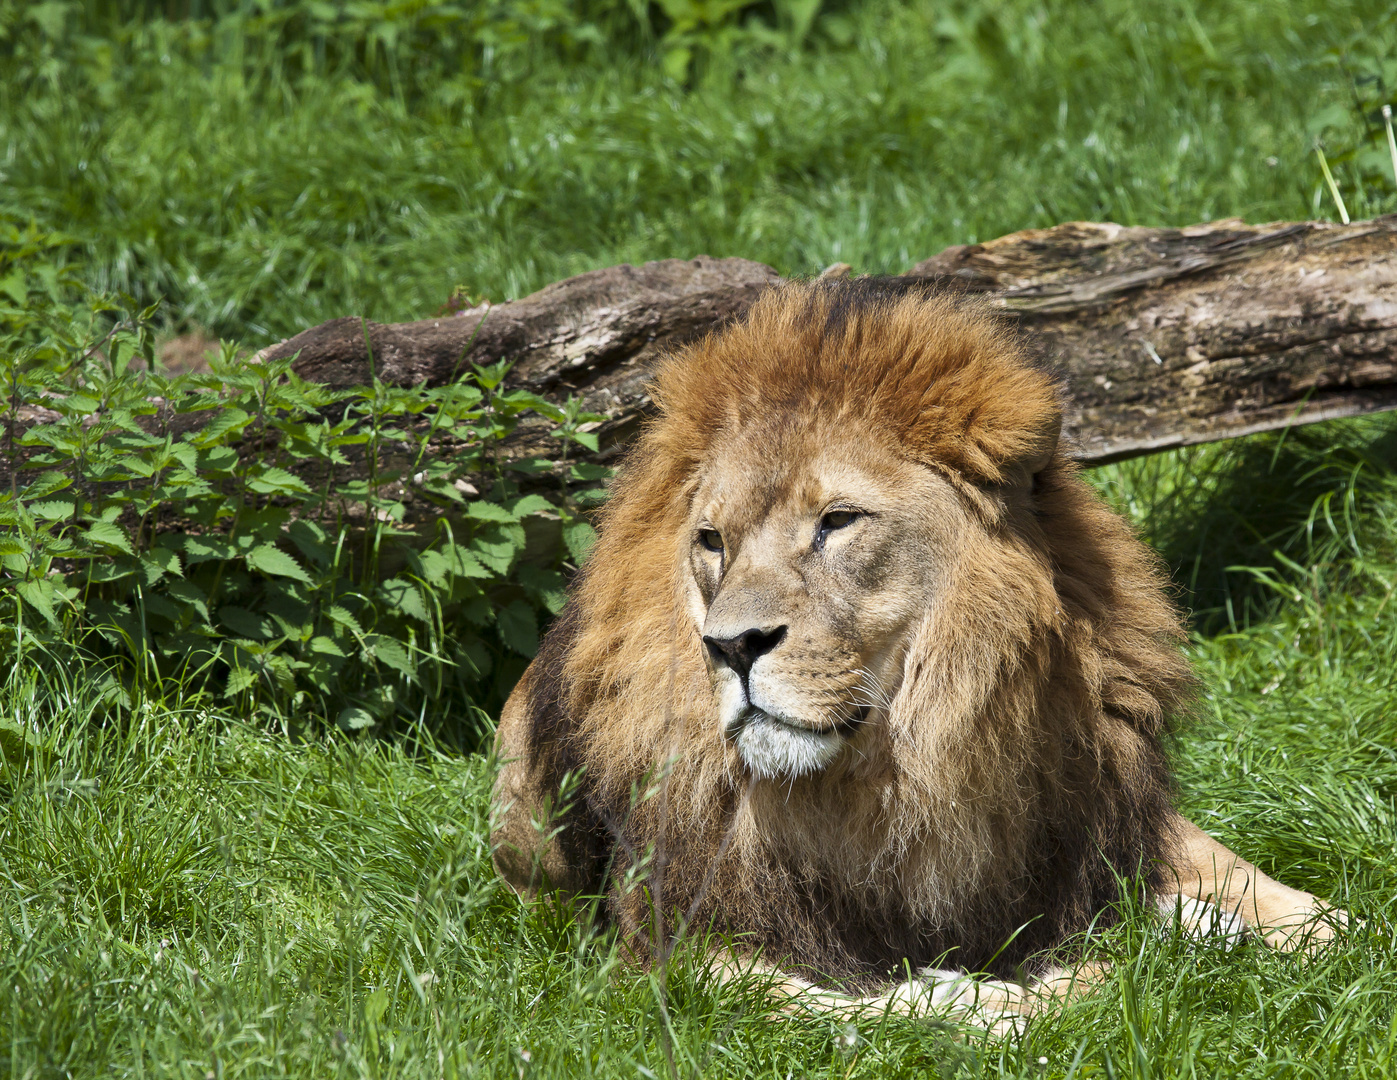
(773, 749)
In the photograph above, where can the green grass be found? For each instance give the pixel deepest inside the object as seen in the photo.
(183, 893)
(260, 201)
(186, 895)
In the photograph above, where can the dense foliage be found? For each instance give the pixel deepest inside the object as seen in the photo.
(212, 527)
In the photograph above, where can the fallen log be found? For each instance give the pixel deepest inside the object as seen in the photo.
(593, 335)
(1162, 337)
(1169, 337)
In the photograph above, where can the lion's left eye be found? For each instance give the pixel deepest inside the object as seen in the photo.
(712, 539)
(836, 519)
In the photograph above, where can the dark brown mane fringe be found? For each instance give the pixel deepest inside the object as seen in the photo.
(1071, 722)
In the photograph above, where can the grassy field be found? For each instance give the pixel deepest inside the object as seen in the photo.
(185, 894)
(188, 896)
(259, 199)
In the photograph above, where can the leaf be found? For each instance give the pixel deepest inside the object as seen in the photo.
(239, 679)
(245, 623)
(191, 596)
(462, 563)
(45, 484)
(587, 439)
(272, 560)
(157, 562)
(157, 604)
(75, 404)
(497, 545)
(488, 511)
(476, 610)
(431, 565)
(199, 549)
(384, 650)
(404, 597)
(15, 287)
(52, 510)
(284, 603)
(585, 470)
(15, 740)
(274, 481)
(266, 524)
(229, 420)
(497, 556)
(355, 719)
(111, 568)
(545, 586)
(109, 534)
(310, 538)
(676, 62)
(580, 538)
(219, 459)
(325, 646)
(337, 614)
(531, 504)
(39, 595)
(519, 628)
(186, 455)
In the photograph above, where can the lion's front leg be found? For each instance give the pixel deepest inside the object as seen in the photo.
(1203, 869)
(998, 1006)
(525, 827)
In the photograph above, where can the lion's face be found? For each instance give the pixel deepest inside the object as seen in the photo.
(813, 560)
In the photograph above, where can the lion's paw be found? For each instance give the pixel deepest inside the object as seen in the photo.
(1307, 929)
(1199, 920)
(996, 1006)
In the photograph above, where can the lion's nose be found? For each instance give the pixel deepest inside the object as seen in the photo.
(741, 652)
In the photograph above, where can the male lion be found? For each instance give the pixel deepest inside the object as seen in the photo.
(861, 674)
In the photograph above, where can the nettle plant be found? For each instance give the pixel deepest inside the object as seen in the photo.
(356, 554)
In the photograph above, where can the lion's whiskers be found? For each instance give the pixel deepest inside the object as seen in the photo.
(868, 692)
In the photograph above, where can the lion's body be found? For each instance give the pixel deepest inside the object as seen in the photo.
(945, 746)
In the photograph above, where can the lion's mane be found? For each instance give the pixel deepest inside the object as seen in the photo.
(1024, 779)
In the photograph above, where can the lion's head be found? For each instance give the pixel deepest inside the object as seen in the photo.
(900, 665)
(819, 553)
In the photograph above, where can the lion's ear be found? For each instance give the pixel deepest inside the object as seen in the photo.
(1037, 452)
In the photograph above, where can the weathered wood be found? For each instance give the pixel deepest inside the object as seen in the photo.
(1167, 337)
(1163, 337)
(593, 335)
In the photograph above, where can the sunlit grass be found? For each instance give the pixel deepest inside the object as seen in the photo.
(260, 203)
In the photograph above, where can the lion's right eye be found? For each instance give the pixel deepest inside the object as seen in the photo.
(712, 539)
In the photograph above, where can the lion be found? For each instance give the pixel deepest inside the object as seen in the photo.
(863, 676)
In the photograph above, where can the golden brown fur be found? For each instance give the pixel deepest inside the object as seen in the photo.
(1001, 668)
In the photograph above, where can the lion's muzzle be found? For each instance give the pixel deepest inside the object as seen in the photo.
(773, 748)
(770, 743)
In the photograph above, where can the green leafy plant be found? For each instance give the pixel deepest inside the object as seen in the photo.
(1353, 135)
(355, 553)
(699, 32)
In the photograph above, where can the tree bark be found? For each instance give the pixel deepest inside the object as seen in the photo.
(1162, 337)
(1168, 337)
(593, 335)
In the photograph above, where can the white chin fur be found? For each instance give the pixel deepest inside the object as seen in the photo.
(772, 749)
